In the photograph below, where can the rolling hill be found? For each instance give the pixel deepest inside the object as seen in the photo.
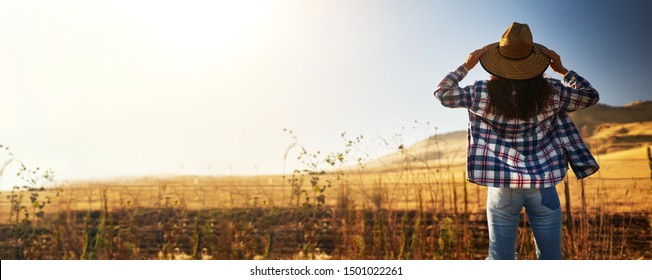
(606, 129)
(589, 120)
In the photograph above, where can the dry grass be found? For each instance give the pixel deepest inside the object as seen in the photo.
(407, 213)
(403, 206)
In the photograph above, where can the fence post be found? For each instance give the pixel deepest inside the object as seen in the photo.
(454, 193)
(649, 159)
(477, 195)
(583, 222)
(569, 216)
(466, 196)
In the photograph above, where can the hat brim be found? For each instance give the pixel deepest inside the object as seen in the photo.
(516, 69)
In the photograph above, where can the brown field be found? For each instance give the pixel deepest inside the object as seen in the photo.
(411, 204)
(414, 210)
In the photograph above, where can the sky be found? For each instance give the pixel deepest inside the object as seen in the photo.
(100, 89)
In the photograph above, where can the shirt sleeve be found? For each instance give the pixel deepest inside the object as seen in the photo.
(450, 94)
(578, 94)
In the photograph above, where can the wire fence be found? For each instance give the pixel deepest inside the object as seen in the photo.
(448, 196)
(438, 217)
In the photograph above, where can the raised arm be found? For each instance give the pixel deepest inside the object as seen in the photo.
(450, 94)
(448, 91)
(578, 93)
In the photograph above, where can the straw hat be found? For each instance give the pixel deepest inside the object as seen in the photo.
(515, 57)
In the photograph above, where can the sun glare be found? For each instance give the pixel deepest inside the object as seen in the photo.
(223, 26)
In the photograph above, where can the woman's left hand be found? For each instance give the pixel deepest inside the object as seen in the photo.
(473, 58)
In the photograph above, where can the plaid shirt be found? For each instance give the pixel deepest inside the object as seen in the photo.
(513, 153)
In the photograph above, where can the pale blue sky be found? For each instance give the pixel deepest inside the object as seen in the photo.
(121, 88)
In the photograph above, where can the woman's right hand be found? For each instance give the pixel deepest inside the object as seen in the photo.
(474, 57)
(555, 62)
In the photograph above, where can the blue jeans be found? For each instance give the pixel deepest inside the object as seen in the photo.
(543, 212)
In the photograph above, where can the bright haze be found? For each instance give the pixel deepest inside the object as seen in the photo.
(102, 89)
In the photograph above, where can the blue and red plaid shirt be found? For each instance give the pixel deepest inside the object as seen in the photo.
(513, 153)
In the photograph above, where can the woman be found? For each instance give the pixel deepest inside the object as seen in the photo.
(521, 139)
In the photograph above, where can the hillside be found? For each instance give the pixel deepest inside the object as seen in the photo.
(606, 129)
(588, 120)
(438, 150)
(614, 137)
